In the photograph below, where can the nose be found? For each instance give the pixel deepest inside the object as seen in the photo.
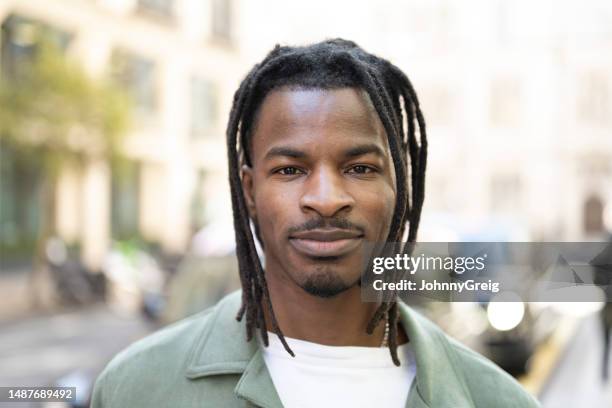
(325, 193)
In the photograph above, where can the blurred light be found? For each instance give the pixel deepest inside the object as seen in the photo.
(580, 300)
(577, 309)
(505, 311)
(582, 309)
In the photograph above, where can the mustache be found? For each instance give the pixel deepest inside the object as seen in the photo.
(322, 223)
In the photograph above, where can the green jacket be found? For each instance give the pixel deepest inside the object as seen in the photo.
(205, 361)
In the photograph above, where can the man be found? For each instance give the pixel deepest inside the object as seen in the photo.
(323, 157)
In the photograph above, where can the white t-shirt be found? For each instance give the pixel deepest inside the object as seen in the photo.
(330, 376)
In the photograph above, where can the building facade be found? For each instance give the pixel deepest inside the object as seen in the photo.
(517, 96)
(179, 62)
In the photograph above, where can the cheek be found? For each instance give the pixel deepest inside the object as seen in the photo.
(274, 207)
(379, 206)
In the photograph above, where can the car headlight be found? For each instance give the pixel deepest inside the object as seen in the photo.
(505, 311)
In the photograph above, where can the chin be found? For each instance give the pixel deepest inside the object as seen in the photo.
(325, 283)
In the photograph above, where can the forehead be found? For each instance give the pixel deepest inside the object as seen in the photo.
(300, 116)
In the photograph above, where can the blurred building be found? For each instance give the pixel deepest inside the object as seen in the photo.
(178, 61)
(517, 96)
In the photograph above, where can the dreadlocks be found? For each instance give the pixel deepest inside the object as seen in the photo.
(330, 64)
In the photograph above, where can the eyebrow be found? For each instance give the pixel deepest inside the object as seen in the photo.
(363, 150)
(283, 151)
(356, 151)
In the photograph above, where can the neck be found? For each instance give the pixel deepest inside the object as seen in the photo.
(340, 320)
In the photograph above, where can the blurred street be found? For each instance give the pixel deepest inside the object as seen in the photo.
(42, 349)
(576, 379)
(39, 350)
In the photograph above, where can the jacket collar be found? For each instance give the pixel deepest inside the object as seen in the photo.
(440, 381)
(222, 349)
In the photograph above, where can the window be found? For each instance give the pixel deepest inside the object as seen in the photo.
(20, 36)
(125, 189)
(222, 20)
(159, 8)
(593, 216)
(20, 174)
(505, 103)
(20, 190)
(137, 75)
(505, 14)
(203, 107)
(505, 193)
(198, 202)
(594, 104)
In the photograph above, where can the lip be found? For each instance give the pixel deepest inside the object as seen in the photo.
(326, 242)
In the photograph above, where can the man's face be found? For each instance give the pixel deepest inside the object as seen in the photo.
(321, 184)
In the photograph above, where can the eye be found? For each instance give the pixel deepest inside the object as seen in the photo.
(288, 171)
(361, 169)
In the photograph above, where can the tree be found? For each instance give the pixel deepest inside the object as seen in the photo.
(55, 114)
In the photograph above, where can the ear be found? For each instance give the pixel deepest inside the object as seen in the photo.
(249, 191)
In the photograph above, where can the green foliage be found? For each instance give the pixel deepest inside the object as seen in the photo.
(52, 111)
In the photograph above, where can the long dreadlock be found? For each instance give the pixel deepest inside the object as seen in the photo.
(330, 64)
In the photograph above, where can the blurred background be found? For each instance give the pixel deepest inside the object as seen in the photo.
(115, 216)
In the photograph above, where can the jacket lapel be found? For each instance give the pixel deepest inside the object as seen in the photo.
(256, 385)
(439, 381)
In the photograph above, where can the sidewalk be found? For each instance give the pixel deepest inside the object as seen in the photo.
(575, 380)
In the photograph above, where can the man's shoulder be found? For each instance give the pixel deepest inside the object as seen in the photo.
(487, 383)
(169, 343)
(155, 366)
(152, 359)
